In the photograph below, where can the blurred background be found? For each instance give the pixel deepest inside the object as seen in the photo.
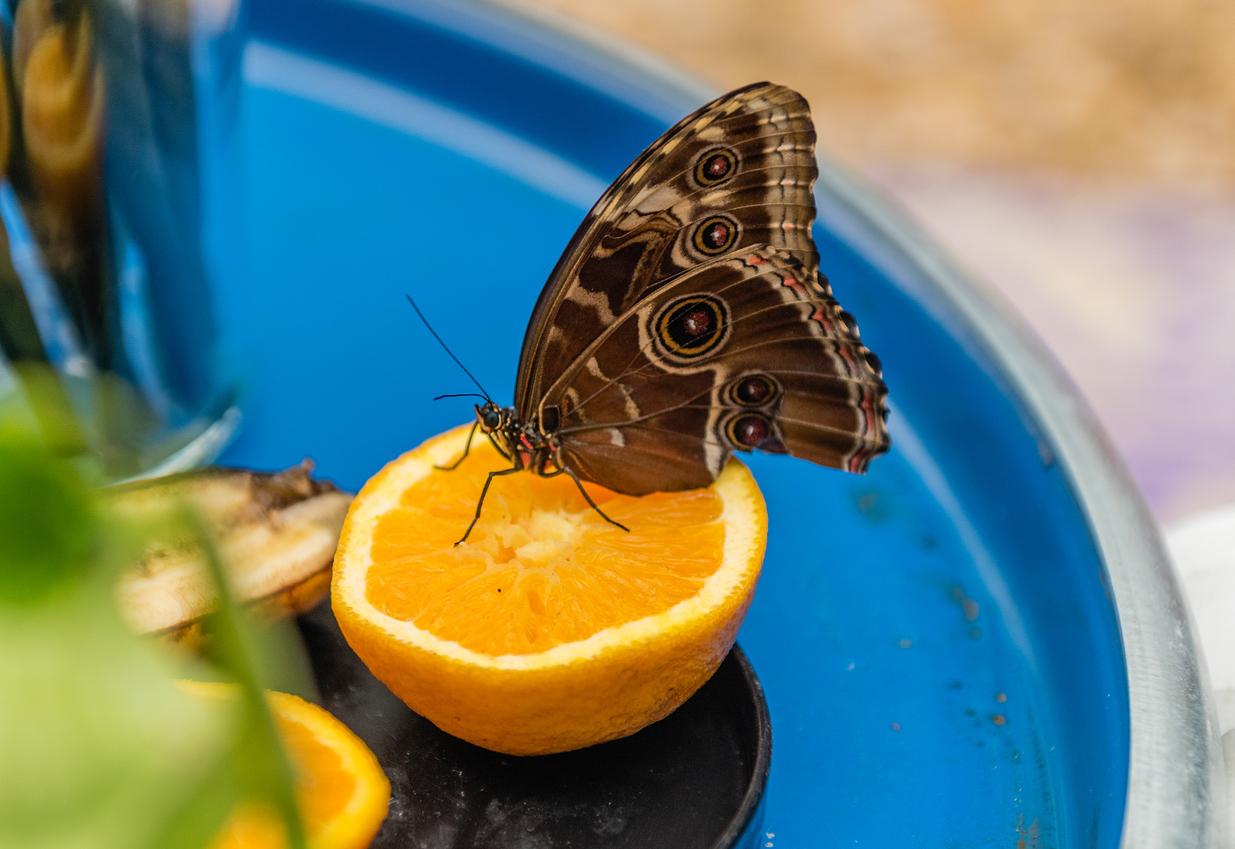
(1075, 157)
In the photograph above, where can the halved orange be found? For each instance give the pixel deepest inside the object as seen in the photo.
(341, 791)
(549, 629)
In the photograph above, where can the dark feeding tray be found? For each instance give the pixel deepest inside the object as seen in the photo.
(692, 781)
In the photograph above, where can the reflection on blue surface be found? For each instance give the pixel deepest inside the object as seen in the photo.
(938, 649)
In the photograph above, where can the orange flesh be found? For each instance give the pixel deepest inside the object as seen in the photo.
(323, 784)
(324, 787)
(540, 568)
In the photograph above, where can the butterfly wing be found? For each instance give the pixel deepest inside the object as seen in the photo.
(738, 172)
(746, 351)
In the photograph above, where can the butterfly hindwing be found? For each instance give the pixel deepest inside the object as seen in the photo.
(736, 173)
(746, 351)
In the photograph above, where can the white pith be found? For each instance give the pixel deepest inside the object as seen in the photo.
(740, 502)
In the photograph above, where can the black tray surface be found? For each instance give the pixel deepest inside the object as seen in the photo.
(691, 781)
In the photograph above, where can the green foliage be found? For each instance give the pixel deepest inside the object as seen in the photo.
(48, 524)
(99, 746)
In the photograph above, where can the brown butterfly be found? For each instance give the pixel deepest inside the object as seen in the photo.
(687, 319)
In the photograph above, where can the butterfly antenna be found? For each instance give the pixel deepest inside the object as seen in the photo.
(461, 395)
(446, 348)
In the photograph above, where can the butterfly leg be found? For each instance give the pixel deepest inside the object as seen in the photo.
(501, 449)
(586, 497)
(483, 492)
(466, 448)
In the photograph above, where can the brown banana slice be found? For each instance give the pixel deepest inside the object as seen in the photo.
(276, 534)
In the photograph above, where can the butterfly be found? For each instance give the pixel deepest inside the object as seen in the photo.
(688, 319)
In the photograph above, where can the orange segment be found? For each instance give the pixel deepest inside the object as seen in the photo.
(341, 791)
(549, 629)
(324, 785)
(541, 568)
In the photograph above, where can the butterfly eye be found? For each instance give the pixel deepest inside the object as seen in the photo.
(715, 166)
(715, 235)
(490, 419)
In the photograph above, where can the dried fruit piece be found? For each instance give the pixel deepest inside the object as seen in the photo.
(277, 534)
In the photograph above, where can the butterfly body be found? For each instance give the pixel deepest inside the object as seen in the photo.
(687, 319)
(524, 443)
(527, 446)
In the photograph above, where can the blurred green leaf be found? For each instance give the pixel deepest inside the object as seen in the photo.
(266, 770)
(92, 722)
(48, 524)
(101, 422)
(99, 746)
(42, 403)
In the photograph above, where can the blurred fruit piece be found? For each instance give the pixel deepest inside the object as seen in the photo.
(62, 114)
(30, 20)
(276, 533)
(549, 629)
(341, 791)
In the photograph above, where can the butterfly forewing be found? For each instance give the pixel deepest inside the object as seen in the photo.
(736, 173)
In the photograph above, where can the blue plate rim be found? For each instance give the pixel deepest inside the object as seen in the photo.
(1175, 781)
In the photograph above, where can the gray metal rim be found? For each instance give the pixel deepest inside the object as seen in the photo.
(1175, 777)
(1175, 781)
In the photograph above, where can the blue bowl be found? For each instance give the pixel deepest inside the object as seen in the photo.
(977, 644)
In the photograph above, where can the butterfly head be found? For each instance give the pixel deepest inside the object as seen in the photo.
(492, 418)
(499, 420)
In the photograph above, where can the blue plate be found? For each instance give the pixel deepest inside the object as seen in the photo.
(938, 640)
